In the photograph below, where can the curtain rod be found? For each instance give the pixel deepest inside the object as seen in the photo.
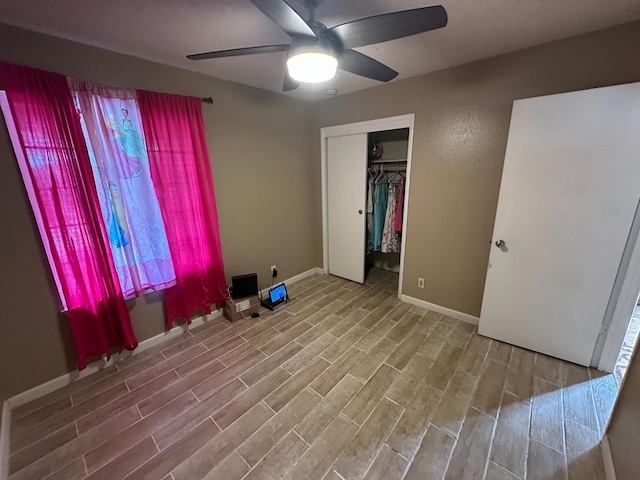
(208, 100)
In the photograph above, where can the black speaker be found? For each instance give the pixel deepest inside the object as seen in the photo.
(244, 285)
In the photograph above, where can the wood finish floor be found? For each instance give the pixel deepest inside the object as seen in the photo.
(346, 382)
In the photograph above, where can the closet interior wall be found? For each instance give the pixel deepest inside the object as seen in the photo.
(393, 163)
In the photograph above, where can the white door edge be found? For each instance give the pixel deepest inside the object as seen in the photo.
(376, 125)
(615, 327)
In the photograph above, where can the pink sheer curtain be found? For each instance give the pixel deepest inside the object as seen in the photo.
(65, 196)
(181, 172)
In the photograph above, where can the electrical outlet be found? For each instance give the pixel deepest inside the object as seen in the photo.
(420, 282)
(274, 271)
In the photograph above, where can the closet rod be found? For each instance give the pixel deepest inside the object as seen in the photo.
(389, 161)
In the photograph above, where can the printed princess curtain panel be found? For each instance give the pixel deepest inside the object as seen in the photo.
(116, 217)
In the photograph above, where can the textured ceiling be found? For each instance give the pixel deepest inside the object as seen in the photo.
(166, 30)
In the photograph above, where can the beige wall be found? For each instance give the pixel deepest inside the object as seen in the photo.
(461, 126)
(260, 146)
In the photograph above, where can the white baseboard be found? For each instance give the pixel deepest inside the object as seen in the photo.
(607, 459)
(68, 378)
(465, 317)
(4, 440)
(93, 367)
(297, 278)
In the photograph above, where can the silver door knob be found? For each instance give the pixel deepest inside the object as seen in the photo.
(500, 243)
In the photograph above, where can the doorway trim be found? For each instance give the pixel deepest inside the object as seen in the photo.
(622, 303)
(368, 126)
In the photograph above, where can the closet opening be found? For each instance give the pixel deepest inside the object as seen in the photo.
(366, 171)
(386, 180)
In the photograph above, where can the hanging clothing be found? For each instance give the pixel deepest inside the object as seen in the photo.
(370, 188)
(389, 236)
(397, 226)
(380, 200)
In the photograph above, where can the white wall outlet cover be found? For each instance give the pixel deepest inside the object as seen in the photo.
(243, 305)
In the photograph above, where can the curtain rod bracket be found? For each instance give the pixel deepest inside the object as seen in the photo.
(208, 100)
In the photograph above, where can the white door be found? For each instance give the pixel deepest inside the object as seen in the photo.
(346, 204)
(569, 192)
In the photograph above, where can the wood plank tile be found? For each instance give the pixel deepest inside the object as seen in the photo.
(164, 462)
(317, 331)
(175, 348)
(511, 441)
(31, 420)
(368, 397)
(22, 438)
(444, 366)
(212, 453)
(461, 334)
(182, 424)
(332, 375)
(211, 356)
(408, 432)
(377, 300)
(455, 403)
(323, 452)
(472, 450)
(280, 460)
(63, 456)
(496, 472)
(161, 367)
(473, 357)
(215, 382)
(347, 323)
(550, 369)
(289, 389)
(544, 463)
(375, 335)
(447, 320)
(362, 450)
(432, 346)
(331, 297)
(332, 475)
(407, 349)
(584, 459)
(284, 339)
(405, 385)
(73, 471)
(259, 444)
(340, 346)
(428, 321)
(520, 373)
(403, 327)
(388, 465)
(264, 324)
(239, 352)
(370, 364)
(376, 315)
(489, 392)
(308, 353)
(546, 414)
(578, 399)
(259, 371)
(399, 311)
(327, 409)
(247, 400)
(605, 390)
(352, 306)
(291, 322)
(232, 468)
(173, 391)
(430, 462)
(500, 352)
(136, 432)
(24, 457)
(127, 461)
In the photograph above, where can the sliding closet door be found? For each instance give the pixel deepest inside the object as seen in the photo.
(346, 205)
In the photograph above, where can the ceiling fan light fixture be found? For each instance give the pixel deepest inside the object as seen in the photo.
(312, 64)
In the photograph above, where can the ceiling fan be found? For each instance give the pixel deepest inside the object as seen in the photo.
(316, 51)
